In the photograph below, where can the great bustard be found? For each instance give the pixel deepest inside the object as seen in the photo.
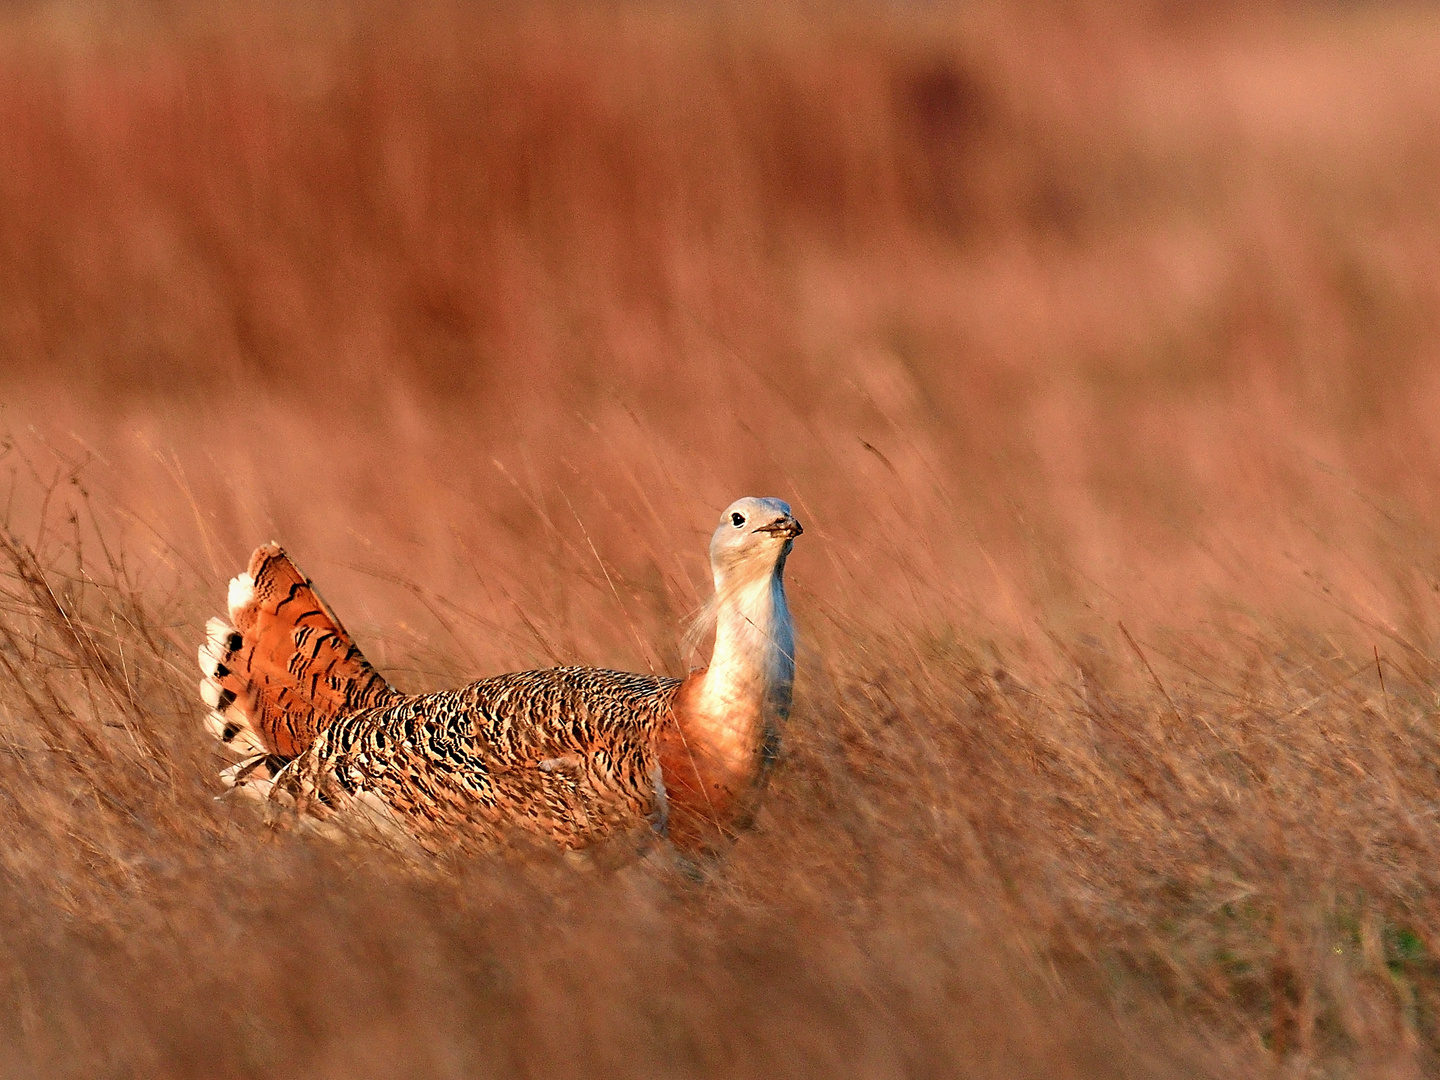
(573, 753)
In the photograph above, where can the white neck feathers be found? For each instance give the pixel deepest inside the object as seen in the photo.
(746, 689)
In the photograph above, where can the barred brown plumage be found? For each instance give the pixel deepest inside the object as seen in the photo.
(575, 754)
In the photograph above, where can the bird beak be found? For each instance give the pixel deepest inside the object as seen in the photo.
(786, 526)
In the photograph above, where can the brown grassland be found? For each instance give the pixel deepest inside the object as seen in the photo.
(1095, 345)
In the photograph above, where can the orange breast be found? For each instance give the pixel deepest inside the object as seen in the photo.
(704, 787)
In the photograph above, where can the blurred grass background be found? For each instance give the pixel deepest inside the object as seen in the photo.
(1094, 344)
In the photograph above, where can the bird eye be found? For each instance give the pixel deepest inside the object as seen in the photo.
(737, 520)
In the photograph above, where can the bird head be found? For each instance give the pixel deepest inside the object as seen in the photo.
(753, 537)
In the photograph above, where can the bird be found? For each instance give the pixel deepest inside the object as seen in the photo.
(574, 755)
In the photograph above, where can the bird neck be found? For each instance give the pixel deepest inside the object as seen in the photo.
(752, 668)
(727, 716)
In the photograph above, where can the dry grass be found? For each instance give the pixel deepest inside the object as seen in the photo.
(1095, 346)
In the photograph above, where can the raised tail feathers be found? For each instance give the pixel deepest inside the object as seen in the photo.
(280, 670)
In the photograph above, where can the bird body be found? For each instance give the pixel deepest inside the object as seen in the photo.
(568, 753)
(574, 754)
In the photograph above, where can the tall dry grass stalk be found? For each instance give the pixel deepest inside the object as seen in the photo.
(1094, 346)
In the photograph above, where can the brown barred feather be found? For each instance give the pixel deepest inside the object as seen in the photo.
(285, 667)
(568, 753)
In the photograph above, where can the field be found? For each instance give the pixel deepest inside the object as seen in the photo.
(1096, 345)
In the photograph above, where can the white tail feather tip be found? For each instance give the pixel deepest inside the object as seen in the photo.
(210, 659)
(242, 593)
(242, 739)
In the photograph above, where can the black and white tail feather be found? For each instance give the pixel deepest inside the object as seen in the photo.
(254, 774)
